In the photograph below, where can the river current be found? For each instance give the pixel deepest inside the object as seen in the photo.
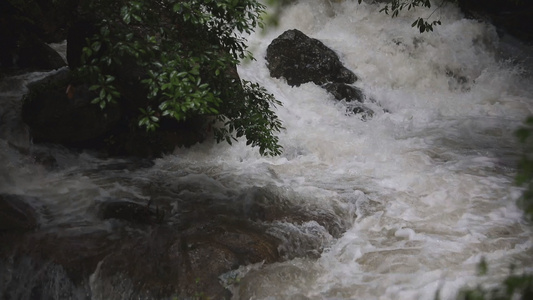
(425, 186)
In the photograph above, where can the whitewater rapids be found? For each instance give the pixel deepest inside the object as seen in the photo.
(426, 185)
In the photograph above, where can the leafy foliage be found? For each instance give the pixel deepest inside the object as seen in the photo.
(392, 8)
(513, 287)
(185, 52)
(254, 120)
(525, 167)
(423, 24)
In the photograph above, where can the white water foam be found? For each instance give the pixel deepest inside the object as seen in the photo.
(432, 181)
(426, 188)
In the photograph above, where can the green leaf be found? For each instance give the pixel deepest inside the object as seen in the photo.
(164, 105)
(87, 51)
(137, 17)
(183, 80)
(482, 267)
(176, 7)
(96, 46)
(127, 18)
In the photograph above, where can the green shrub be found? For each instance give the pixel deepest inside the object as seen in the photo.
(188, 52)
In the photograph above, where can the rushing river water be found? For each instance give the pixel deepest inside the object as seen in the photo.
(426, 185)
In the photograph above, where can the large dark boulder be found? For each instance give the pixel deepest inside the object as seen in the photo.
(58, 112)
(26, 27)
(165, 262)
(301, 59)
(510, 17)
(76, 122)
(35, 54)
(143, 254)
(17, 213)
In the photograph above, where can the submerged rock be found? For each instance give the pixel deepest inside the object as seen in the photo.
(165, 262)
(140, 254)
(16, 213)
(130, 211)
(343, 91)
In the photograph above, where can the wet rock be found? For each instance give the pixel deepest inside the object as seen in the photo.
(182, 255)
(301, 59)
(44, 158)
(75, 252)
(59, 111)
(16, 213)
(129, 139)
(157, 263)
(12, 129)
(26, 27)
(127, 210)
(343, 91)
(262, 205)
(57, 116)
(186, 264)
(31, 280)
(187, 258)
(223, 247)
(510, 17)
(38, 55)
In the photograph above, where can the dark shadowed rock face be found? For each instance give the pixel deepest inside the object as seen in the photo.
(143, 253)
(165, 262)
(301, 59)
(16, 213)
(510, 17)
(343, 91)
(128, 211)
(25, 28)
(59, 111)
(38, 55)
(57, 117)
